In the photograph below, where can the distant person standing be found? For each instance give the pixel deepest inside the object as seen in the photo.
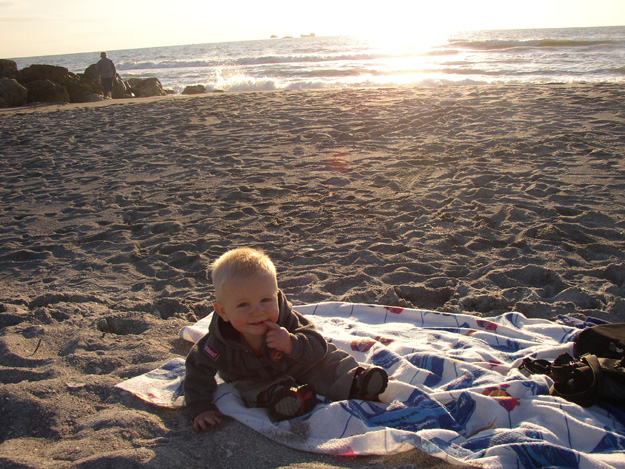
(106, 70)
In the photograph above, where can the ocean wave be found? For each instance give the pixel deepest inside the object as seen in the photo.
(440, 52)
(263, 60)
(170, 64)
(495, 45)
(246, 60)
(286, 59)
(575, 43)
(242, 83)
(471, 57)
(272, 85)
(473, 71)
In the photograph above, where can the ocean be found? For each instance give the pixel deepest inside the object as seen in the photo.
(573, 55)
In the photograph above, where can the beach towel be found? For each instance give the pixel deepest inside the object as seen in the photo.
(455, 391)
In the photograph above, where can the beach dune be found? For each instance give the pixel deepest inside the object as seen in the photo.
(462, 199)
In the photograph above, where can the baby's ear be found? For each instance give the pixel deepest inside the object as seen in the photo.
(220, 310)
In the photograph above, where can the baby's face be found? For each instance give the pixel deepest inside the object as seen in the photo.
(246, 304)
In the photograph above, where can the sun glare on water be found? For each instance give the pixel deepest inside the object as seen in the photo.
(407, 53)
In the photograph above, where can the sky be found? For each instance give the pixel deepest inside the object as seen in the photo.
(49, 27)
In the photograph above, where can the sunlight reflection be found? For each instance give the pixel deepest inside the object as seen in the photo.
(414, 56)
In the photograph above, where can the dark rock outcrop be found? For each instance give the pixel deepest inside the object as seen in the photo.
(146, 87)
(12, 94)
(91, 73)
(81, 90)
(53, 73)
(54, 84)
(194, 89)
(121, 89)
(8, 69)
(46, 91)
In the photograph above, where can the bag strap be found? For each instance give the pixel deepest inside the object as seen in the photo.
(536, 367)
(577, 382)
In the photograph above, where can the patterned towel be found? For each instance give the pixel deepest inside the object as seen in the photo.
(455, 392)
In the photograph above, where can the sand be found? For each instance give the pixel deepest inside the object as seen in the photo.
(477, 200)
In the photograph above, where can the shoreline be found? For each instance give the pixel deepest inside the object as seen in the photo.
(467, 199)
(43, 107)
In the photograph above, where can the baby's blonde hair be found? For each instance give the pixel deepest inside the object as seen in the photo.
(241, 263)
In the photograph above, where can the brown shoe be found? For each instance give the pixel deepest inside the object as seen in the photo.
(369, 384)
(288, 403)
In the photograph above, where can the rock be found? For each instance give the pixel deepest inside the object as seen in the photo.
(121, 89)
(194, 89)
(52, 73)
(70, 87)
(50, 84)
(46, 91)
(146, 87)
(81, 90)
(8, 69)
(12, 93)
(91, 73)
(53, 84)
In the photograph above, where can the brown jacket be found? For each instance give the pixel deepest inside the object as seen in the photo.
(223, 350)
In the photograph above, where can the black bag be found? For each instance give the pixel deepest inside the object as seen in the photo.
(597, 373)
(604, 340)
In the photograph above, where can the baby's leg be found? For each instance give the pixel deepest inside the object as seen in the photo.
(255, 394)
(333, 376)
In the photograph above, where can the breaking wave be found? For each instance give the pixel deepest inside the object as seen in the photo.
(495, 45)
(474, 57)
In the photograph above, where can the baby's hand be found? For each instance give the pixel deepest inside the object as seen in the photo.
(206, 419)
(279, 338)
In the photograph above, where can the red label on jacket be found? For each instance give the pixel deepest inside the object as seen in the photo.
(211, 352)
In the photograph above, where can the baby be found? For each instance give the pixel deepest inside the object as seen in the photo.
(271, 354)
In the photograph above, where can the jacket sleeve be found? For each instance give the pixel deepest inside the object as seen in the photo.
(199, 381)
(309, 346)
